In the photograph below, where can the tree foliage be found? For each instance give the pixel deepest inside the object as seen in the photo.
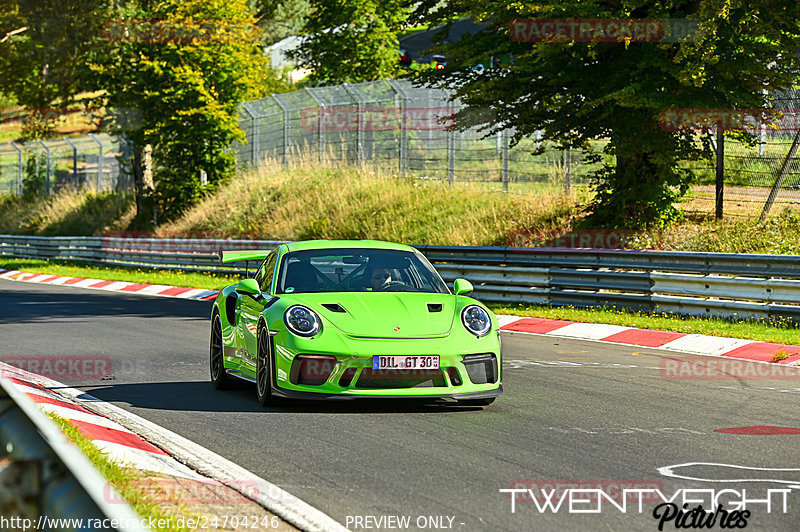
(279, 19)
(187, 89)
(578, 91)
(47, 62)
(352, 40)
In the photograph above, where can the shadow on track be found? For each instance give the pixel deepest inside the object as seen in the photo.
(201, 397)
(27, 302)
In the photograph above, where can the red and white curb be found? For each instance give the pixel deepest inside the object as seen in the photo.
(111, 286)
(134, 441)
(696, 344)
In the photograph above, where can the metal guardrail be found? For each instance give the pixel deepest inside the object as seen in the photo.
(46, 483)
(686, 283)
(175, 254)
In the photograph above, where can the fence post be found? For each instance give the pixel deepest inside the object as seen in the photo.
(286, 130)
(47, 172)
(720, 181)
(504, 150)
(74, 159)
(99, 160)
(451, 149)
(320, 123)
(360, 135)
(567, 171)
(400, 98)
(253, 135)
(779, 178)
(19, 167)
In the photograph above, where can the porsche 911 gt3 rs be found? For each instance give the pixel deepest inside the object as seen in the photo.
(346, 319)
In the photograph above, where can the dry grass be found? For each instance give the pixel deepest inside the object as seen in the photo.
(778, 235)
(740, 202)
(315, 201)
(70, 212)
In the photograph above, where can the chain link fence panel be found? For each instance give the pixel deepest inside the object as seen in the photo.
(94, 161)
(405, 129)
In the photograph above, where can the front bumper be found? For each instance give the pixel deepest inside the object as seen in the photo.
(292, 394)
(469, 368)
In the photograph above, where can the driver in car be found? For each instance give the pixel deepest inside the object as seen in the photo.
(379, 277)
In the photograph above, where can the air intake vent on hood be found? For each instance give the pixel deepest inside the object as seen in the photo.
(434, 307)
(335, 307)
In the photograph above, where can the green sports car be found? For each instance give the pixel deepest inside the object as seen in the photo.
(346, 319)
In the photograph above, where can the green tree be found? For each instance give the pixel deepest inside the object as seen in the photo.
(352, 40)
(186, 73)
(47, 62)
(576, 91)
(281, 18)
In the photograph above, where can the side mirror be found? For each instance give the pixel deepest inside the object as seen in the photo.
(249, 287)
(462, 286)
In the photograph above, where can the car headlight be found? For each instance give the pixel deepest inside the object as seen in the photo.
(302, 321)
(476, 320)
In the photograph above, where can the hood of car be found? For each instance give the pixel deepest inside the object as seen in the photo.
(385, 314)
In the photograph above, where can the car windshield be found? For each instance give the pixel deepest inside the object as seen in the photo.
(357, 270)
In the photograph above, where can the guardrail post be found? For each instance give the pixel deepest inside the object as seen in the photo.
(47, 172)
(99, 160)
(19, 167)
(286, 130)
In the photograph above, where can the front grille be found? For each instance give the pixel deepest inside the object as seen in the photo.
(398, 378)
(455, 378)
(347, 377)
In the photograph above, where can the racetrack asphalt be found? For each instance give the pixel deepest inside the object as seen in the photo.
(573, 412)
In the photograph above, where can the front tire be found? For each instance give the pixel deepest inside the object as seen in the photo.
(264, 367)
(220, 379)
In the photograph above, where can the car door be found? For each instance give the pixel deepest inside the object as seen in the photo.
(249, 309)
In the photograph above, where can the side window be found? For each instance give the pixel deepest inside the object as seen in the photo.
(265, 275)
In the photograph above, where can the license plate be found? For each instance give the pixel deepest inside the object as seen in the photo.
(405, 362)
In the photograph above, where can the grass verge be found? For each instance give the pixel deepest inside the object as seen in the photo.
(311, 201)
(317, 200)
(778, 331)
(70, 212)
(128, 482)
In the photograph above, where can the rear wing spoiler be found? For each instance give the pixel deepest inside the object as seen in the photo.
(239, 256)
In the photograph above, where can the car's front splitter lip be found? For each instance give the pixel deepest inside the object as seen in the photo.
(293, 394)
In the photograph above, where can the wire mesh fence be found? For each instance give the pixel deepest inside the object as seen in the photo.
(755, 172)
(44, 167)
(403, 128)
(406, 129)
